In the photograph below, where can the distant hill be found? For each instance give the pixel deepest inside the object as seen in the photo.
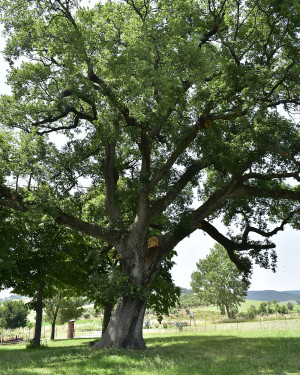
(269, 295)
(186, 291)
(13, 297)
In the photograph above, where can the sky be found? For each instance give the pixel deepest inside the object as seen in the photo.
(286, 277)
(197, 246)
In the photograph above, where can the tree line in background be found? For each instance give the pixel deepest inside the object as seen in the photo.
(217, 282)
(267, 308)
(14, 313)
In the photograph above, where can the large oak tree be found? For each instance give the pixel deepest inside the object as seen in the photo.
(160, 102)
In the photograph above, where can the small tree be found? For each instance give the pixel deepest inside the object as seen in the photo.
(71, 308)
(52, 306)
(282, 309)
(251, 312)
(270, 309)
(290, 306)
(276, 307)
(263, 308)
(34, 257)
(218, 281)
(61, 309)
(13, 314)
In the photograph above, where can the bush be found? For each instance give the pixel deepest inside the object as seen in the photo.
(290, 306)
(13, 314)
(283, 309)
(251, 312)
(263, 308)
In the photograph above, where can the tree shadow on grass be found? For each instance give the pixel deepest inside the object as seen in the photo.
(201, 354)
(166, 355)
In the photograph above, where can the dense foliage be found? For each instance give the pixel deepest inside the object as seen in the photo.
(13, 314)
(219, 282)
(188, 300)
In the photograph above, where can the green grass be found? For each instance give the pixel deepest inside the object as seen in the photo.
(251, 352)
(248, 302)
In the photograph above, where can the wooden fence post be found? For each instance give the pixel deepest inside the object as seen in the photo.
(71, 329)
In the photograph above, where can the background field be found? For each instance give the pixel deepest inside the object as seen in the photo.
(207, 318)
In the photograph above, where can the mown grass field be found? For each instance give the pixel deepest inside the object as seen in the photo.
(275, 351)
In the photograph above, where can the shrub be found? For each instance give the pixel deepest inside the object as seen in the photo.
(283, 309)
(290, 306)
(263, 308)
(13, 314)
(251, 312)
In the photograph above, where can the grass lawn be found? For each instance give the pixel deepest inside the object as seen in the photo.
(272, 352)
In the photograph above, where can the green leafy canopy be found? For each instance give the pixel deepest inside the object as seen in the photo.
(218, 281)
(156, 99)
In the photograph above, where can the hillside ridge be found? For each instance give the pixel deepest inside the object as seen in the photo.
(269, 295)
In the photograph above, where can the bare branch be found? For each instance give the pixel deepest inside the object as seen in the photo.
(108, 92)
(111, 180)
(259, 192)
(268, 177)
(12, 199)
(191, 135)
(50, 120)
(15, 201)
(90, 229)
(161, 204)
(208, 35)
(138, 11)
(271, 233)
(232, 246)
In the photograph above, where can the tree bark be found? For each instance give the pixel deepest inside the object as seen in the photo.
(228, 311)
(138, 330)
(107, 315)
(52, 331)
(39, 315)
(125, 329)
(54, 322)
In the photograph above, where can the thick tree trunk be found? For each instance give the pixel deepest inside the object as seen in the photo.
(125, 329)
(39, 316)
(138, 331)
